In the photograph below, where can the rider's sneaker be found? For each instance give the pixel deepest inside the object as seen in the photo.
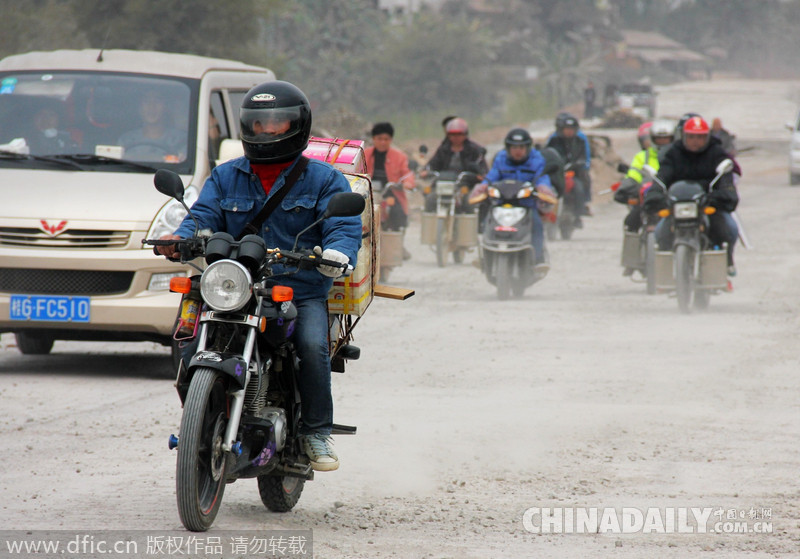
(578, 223)
(732, 270)
(587, 211)
(627, 272)
(320, 452)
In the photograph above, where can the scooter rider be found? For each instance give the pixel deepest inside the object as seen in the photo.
(520, 161)
(573, 146)
(695, 158)
(659, 135)
(275, 123)
(457, 153)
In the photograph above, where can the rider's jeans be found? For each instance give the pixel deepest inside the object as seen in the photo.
(537, 235)
(722, 229)
(311, 340)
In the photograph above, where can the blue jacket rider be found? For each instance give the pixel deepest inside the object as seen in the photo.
(520, 161)
(275, 120)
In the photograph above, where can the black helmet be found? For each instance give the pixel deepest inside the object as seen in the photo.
(266, 106)
(679, 127)
(518, 137)
(566, 120)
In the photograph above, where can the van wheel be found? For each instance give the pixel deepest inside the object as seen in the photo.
(794, 179)
(34, 343)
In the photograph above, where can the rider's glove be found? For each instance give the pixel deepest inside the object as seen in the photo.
(628, 189)
(331, 254)
(654, 200)
(723, 200)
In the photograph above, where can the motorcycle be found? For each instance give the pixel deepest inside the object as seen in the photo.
(563, 219)
(694, 268)
(639, 248)
(507, 253)
(241, 404)
(448, 222)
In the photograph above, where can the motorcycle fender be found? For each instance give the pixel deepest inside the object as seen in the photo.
(692, 242)
(232, 366)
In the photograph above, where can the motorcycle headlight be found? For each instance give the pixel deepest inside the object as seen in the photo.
(508, 216)
(226, 285)
(685, 210)
(171, 215)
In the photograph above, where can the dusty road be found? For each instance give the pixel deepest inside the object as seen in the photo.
(585, 393)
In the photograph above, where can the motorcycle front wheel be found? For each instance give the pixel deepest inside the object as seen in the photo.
(503, 276)
(201, 468)
(280, 493)
(683, 276)
(441, 241)
(650, 263)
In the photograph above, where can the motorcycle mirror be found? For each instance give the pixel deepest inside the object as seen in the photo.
(169, 183)
(623, 168)
(725, 166)
(649, 170)
(345, 204)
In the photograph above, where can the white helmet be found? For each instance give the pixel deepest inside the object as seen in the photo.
(662, 129)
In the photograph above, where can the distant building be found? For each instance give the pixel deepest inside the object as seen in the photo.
(640, 49)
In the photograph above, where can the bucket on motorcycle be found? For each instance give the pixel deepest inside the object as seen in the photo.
(428, 229)
(714, 269)
(391, 248)
(631, 250)
(665, 272)
(466, 230)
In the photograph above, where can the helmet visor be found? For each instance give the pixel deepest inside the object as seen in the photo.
(269, 125)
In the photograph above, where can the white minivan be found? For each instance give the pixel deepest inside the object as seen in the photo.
(794, 151)
(82, 133)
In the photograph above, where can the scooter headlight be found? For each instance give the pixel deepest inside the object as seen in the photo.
(685, 210)
(506, 217)
(226, 285)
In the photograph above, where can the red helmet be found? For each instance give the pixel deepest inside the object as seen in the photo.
(696, 125)
(456, 126)
(643, 134)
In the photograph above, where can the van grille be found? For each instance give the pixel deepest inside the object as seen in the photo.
(64, 282)
(72, 238)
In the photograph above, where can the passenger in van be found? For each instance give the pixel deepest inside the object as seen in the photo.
(46, 138)
(155, 140)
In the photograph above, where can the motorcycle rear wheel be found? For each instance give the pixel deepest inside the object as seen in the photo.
(280, 493)
(202, 464)
(683, 277)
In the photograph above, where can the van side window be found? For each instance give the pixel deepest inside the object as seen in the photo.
(218, 127)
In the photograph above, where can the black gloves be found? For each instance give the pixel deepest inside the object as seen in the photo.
(628, 189)
(655, 199)
(723, 200)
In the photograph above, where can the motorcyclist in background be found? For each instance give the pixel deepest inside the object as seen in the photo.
(389, 166)
(457, 153)
(695, 158)
(654, 137)
(520, 161)
(573, 146)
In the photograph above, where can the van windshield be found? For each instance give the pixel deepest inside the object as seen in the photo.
(145, 119)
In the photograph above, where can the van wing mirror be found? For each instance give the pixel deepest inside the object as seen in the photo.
(169, 184)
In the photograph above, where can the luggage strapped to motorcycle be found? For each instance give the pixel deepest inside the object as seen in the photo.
(253, 228)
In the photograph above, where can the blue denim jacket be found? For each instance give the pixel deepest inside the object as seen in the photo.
(232, 196)
(503, 168)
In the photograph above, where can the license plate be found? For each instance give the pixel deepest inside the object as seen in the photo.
(50, 308)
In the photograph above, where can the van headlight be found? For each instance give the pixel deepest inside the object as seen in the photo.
(171, 215)
(226, 285)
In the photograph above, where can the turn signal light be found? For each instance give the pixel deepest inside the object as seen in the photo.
(709, 210)
(281, 293)
(180, 285)
(663, 213)
(426, 190)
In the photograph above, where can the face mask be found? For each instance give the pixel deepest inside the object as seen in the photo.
(50, 133)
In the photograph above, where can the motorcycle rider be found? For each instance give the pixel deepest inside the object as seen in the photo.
(390, 165)
(457, 153)
(520, 161)
(275, 122)
(695, 158)
(573, 146)
(653, 137)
